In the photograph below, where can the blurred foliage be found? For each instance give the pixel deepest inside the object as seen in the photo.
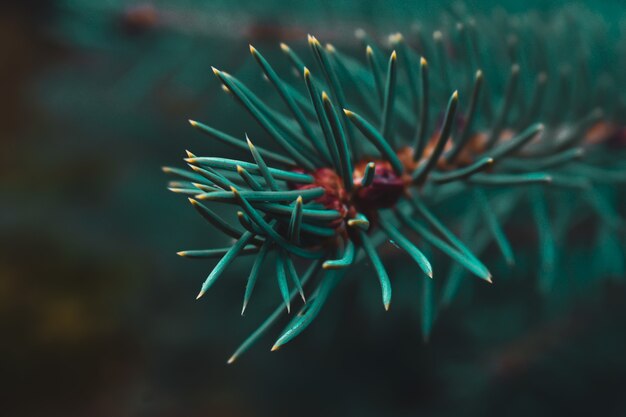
(97, 312)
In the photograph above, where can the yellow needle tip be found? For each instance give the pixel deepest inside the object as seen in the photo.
(395, 38)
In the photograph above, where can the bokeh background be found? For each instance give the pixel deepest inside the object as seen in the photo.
(97, 313)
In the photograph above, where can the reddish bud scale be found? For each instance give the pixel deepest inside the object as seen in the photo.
(335, 195)
(606, 133)
(384, 191)
(140, 18)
